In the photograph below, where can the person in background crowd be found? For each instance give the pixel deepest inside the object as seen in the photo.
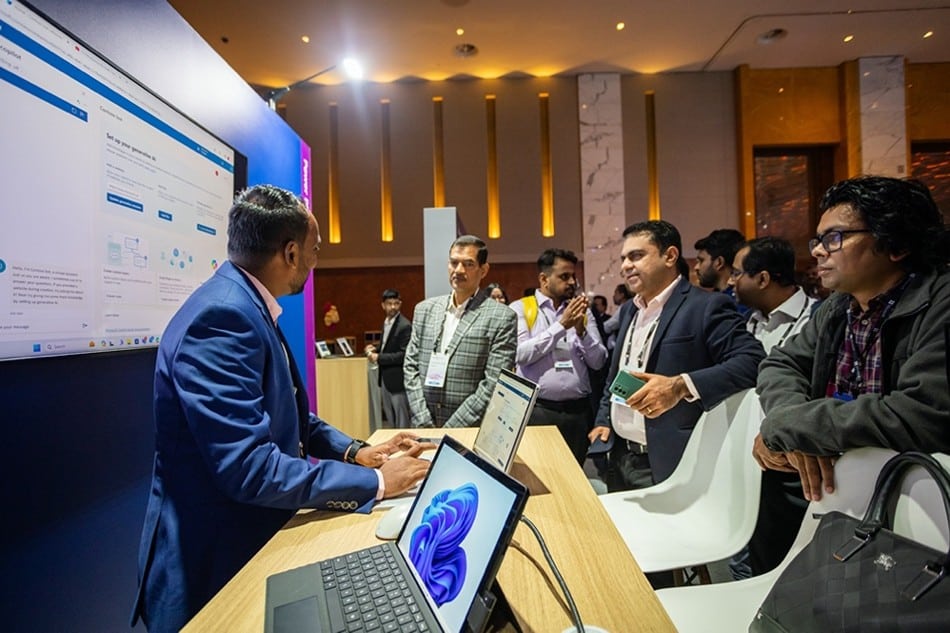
(868, 369)
(496, 292)
(622, 295)
(390, 357)
(714, 255)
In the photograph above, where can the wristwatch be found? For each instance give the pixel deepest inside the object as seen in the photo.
(349, 455)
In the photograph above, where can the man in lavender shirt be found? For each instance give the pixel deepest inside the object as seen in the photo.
(557, 350)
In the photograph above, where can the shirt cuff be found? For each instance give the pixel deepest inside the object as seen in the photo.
(381, 485)
(693, 394)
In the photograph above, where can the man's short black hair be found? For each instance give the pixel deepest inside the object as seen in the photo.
(390, 293)
(548, 257)
(262, 221)
(723, 243)
(901, 215)
(772, 254)
(663, 235)
(471, 240)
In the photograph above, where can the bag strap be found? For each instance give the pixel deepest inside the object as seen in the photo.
(886, 490)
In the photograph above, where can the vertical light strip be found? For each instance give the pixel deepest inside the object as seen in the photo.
(547, 179)
(438, 154)
(385, 176)
(653, 184)
(494, 212)
(333, 176)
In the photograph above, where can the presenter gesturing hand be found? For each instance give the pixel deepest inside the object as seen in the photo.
(403, 472)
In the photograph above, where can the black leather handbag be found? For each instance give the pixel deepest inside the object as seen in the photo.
(861, 576)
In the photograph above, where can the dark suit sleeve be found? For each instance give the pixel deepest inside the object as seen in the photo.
(624, 318)
(219, 373)
(735, 353)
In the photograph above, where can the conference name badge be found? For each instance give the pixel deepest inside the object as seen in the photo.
(435, 375)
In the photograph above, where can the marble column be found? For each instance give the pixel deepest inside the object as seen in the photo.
(602, 184)
(883, 116)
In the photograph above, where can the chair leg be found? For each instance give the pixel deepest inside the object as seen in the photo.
(686, 576)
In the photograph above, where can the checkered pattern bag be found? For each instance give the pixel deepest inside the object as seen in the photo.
(859, 575)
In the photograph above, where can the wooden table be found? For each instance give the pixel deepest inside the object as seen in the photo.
(608, 586)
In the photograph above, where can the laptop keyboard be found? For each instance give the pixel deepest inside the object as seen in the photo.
(366, 591)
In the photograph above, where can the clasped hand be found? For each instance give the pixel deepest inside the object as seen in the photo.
(816, 472)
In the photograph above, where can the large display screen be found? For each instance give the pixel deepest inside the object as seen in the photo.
(113, 206)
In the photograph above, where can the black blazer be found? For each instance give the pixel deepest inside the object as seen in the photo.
(393, 353)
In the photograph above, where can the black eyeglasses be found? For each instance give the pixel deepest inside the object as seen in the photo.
(831, 241)
(736, 273)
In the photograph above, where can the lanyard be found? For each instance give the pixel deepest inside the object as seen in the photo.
(646, 342)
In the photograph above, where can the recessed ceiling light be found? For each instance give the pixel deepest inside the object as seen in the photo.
(771, 36)
(848, 38)
(460, 31)
(928, 34)
(305, 39)
(620, 26)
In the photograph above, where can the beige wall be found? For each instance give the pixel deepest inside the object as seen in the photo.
(695, 139)
(519, 176)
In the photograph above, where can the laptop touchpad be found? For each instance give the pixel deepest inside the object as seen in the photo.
(297, 617)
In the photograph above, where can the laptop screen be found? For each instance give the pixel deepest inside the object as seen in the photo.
(505, 419)
(458, 529)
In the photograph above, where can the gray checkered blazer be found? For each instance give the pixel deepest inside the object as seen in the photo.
(482, 346)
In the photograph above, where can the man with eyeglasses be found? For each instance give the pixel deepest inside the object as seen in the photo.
(867, 369)
(459, 344)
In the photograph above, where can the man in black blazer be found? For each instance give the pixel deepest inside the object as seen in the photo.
(396, 333)
(690, 347)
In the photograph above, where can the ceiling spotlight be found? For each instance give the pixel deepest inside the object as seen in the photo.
(352, 68)
(771, 36)
(928, 34)
(465, 50)
(621, 26)
(848, 38)
(460, 31)
(305, 39)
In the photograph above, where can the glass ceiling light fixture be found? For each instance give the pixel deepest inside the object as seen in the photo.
(351, 67)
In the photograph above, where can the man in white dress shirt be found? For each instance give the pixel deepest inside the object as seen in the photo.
(763, 277)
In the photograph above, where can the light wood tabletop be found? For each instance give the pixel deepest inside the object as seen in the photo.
(608, 587)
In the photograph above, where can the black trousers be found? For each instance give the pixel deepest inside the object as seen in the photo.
(573, 418)
(782, 506)
(627, 468)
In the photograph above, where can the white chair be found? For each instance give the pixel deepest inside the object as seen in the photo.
(706, 510)
(730, 606)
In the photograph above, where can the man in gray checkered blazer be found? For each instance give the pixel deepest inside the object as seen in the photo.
(460, 343)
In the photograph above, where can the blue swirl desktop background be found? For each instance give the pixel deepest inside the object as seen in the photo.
(435, 547)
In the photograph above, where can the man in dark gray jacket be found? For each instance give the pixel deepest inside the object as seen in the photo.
(869, 369)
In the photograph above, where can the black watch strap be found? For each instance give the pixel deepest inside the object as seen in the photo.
(349, 455)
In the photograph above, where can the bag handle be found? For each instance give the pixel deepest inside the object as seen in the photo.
(886, 489)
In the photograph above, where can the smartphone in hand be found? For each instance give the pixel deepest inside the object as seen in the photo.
(625, 384)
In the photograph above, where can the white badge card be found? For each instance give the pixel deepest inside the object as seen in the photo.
(438, 364)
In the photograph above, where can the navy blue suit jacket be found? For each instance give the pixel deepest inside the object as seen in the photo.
(228, 472)
(700, 333)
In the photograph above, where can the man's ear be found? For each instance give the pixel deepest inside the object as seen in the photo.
(764, 279)
(291, 252)
(898, 256)
(719, 263)
(672, 254)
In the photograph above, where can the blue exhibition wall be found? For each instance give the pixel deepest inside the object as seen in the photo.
(78, 435)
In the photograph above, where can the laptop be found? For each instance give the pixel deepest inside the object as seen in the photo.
(506, 417)
(443, 561)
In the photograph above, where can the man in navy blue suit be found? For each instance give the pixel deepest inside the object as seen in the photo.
(689, 345)
(234, 435)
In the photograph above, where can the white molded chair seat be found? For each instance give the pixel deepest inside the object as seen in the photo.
(730, 606)
(706, 510)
